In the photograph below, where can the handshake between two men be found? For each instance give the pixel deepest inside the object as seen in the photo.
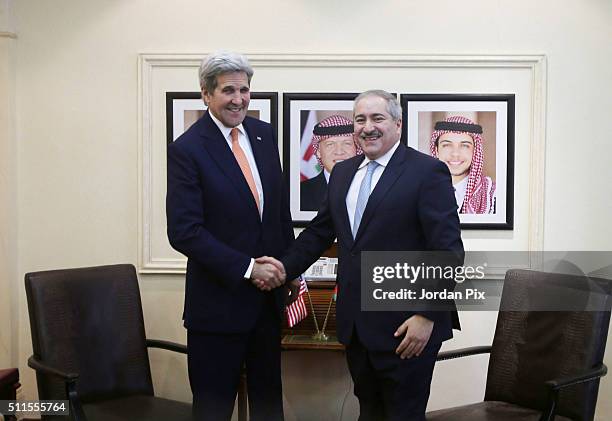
(269, 273)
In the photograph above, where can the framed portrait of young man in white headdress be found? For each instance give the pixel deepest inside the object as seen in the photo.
(474, 135)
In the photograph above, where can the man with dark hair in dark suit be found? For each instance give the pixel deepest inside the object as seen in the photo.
(392, 199)
(226, 204)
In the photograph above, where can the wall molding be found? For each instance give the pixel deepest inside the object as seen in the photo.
(4, 34)
(536, 64)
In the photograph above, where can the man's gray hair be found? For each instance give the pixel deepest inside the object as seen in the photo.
(393, 106)
(220, 62)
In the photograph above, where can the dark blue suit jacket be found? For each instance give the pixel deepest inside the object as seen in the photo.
(213, 220)
(312, 192)
(412, 208)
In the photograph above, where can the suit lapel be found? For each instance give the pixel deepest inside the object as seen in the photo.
(217, 146)
(391, 173)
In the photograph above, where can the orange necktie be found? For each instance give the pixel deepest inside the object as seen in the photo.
(244, 165)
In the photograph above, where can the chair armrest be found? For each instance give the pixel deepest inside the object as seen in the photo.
(46, 369)
(555, 385)
(587, 376)
(76, 410)
(170, 346)
(463, 352)
(9, 376)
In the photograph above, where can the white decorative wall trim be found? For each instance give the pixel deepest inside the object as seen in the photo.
(154, 67)
(538, 155)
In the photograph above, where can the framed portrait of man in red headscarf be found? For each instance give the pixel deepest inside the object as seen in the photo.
(317, 134)
(473, 134)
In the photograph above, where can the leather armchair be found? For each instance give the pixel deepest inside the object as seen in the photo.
(90, 348)
(543, 365)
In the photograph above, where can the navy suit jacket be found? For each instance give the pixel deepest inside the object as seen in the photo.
(412, 208)
(213, 220)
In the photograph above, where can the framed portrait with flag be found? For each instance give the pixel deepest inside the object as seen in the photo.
(317, 133)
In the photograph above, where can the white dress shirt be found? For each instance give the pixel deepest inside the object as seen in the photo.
(353, 192)
(243, 140)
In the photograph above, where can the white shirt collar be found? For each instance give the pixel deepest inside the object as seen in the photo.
(383, 160)
(224, 129)
(326, 174)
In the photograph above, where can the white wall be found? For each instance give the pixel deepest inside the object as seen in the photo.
(8, 187)
(76, 126)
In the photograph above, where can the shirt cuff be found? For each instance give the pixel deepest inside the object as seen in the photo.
(247, 274)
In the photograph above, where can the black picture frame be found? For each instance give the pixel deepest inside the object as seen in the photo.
(420, 112)
(300, 112)
(188, 107)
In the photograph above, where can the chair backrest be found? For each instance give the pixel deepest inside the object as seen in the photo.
(531, 347)
(89, 321)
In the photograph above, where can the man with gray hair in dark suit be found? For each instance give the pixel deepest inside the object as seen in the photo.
(227, 205)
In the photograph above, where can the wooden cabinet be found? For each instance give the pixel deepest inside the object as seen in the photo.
(9, 383)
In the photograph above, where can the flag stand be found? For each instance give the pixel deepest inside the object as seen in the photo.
(320, 334)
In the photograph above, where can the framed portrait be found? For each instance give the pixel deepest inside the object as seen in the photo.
(317, 133)
(185, 108)
(474, 135)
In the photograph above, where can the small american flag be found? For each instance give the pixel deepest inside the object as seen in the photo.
(296, 311)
